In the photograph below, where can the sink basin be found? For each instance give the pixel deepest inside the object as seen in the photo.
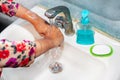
(77, 62)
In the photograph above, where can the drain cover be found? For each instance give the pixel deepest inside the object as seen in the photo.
(55, 67)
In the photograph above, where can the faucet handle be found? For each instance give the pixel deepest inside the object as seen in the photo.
(60, 21)
(50, 14)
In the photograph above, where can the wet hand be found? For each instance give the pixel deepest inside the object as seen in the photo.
(54, 34)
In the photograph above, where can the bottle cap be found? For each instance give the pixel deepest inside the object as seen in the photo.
(85, 19)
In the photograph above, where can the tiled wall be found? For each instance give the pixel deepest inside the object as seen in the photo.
(107, 8)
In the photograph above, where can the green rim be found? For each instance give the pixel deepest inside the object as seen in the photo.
(101, 55)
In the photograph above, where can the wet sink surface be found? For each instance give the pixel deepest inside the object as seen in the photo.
(76, 63)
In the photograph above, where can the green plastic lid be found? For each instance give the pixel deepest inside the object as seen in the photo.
(101, 50)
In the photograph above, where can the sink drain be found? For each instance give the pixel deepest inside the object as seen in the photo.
(55, 67)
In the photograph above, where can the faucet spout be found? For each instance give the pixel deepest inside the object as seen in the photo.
(60, 21)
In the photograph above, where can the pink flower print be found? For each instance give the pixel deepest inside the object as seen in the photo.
(12, 62)
(32, 50)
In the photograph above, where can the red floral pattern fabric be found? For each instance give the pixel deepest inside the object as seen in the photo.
(9, 7)
(4, 54)
(16, 53)
(20, 47)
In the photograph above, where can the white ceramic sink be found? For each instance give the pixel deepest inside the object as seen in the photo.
(78, 63)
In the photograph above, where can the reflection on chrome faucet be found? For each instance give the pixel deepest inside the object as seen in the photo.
(60, 21)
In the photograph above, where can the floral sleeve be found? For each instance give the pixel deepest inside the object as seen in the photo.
(8, 7)
(16, 53)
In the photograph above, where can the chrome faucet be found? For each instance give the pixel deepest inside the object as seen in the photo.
(60, 21)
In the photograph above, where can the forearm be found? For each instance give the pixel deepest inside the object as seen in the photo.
(28, 15)
(42, 46)
(16, 53)
(22, 53)
(12, 8)
(39, 24)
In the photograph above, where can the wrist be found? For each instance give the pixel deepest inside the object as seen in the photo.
(42, 46)
(40, 25)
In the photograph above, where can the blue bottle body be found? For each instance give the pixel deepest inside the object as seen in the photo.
(85, 37)
(85, 33)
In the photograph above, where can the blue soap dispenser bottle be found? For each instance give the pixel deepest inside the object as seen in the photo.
(85, 33)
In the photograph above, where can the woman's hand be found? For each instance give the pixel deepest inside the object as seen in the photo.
(54, 34)
(47, 31)
(50, 32)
